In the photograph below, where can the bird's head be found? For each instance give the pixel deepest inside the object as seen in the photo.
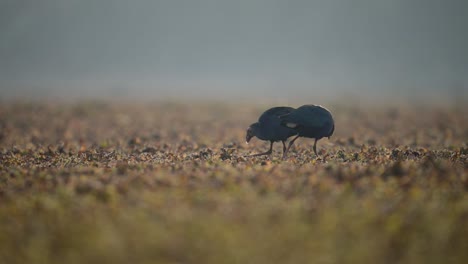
(331, 132)
(251, 132)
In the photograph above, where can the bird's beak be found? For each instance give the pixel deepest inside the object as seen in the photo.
(249, 135)
(247, 138)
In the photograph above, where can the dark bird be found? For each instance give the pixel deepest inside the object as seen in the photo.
(269, 128)
(311, 121)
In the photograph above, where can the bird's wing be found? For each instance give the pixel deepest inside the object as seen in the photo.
(307, 116)
(275, 112)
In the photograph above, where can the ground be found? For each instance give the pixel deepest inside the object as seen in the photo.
(166, 182)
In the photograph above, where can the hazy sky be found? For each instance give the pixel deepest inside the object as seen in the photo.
(254, 47)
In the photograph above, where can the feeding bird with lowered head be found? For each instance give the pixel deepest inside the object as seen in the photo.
(269, 128)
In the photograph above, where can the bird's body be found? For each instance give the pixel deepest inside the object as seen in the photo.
(269, 128)
(309, 121)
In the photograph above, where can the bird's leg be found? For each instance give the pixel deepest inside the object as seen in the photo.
(315, 147)
(289, 146)
(264, 153)
(284, 146)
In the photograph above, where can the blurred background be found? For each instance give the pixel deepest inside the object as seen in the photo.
(219, 49)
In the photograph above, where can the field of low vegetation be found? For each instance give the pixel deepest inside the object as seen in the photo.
(167, 182)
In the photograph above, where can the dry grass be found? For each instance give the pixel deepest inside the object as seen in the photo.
(167, 183)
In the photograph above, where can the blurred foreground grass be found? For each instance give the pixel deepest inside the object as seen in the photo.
(167, 183)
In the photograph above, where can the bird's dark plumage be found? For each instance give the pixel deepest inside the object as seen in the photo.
(269, 128)
(309, 121)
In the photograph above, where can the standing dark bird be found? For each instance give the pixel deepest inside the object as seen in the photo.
(311, 121)
(269, 128)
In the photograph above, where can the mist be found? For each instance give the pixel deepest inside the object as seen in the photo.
(226, 49)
